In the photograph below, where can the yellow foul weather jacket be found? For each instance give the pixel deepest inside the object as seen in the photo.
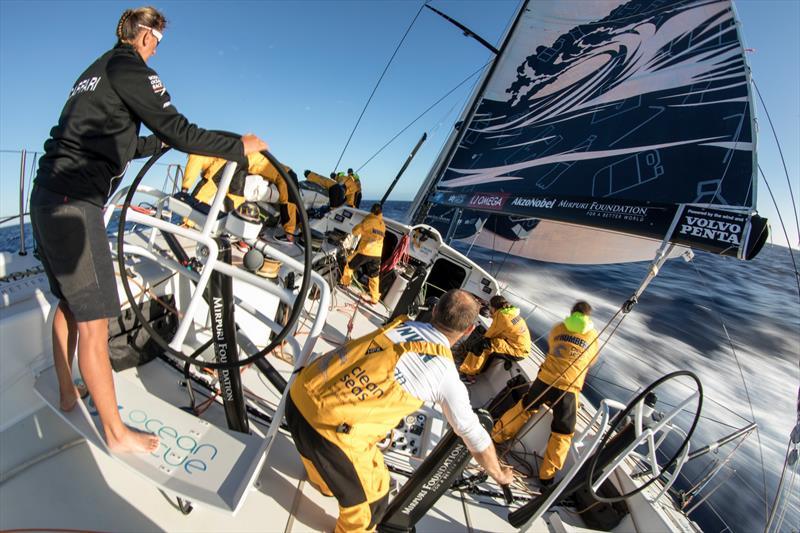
(351, 399)
(509, 333)
(371, 230)
(572, 345)
(352, 187)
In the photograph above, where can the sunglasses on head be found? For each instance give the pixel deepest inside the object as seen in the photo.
(157, 34)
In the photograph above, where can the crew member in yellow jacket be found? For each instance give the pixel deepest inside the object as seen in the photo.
(211, 170)
(508, 335)
(352, 185)
(573, 348)
(343, 404)
(368, 253)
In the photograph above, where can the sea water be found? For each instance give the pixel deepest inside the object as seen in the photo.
(680, 323)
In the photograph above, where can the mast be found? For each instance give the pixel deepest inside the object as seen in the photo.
(419, 208)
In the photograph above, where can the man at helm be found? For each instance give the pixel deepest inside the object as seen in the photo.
(572, 350)
(508, 335)
(368, 253)
(345, 402)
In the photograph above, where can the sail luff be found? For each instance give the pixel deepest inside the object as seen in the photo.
(750, 100)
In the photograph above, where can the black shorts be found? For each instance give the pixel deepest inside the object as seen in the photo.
(72, 244)
(563, 403)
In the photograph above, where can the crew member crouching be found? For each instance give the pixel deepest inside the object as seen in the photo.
(352, 184)
(211, 168)
(368, 253)
(573, 348)
(508, 335)
(345, 402)
(260, 165)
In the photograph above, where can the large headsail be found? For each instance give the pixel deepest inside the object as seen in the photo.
(626, 116)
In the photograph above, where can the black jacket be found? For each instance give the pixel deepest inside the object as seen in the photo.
(98, 132)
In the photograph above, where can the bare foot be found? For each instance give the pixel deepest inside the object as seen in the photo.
(131, 441)
(69, 399)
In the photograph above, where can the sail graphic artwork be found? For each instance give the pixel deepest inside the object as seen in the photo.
(608, 122)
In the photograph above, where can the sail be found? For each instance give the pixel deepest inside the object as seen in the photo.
(623, 116)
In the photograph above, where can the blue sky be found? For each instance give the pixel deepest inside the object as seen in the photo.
(298, 74)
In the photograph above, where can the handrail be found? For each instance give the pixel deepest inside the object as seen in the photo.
(21, 213)
(22, 204)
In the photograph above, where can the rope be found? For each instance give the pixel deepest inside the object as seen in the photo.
(399, 255)
(376, 87)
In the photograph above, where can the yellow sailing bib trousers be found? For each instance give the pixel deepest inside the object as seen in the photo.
(320, 180)
(573, 347)
(340, 407)
(208, 167)
(367, 254)
(260, 165)
(508, 335)
(257, 164)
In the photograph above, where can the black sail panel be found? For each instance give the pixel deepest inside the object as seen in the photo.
(617, 118)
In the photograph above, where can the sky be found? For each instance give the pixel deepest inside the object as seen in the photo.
(299, 74)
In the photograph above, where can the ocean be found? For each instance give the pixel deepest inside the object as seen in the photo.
(679, 323)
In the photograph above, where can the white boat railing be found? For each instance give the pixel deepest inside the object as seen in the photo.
(205, 238)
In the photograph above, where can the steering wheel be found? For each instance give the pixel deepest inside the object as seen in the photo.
(645, 433)
(297, 306)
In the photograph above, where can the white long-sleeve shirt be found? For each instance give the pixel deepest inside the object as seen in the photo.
(435, 379)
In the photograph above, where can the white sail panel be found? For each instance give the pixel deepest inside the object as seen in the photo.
(586, 246)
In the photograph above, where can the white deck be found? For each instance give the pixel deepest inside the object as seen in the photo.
(52, 478)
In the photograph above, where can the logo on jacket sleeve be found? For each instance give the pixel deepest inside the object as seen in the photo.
(84, 86)
(156, 85)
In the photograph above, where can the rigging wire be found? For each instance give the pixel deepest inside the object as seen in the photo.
(660, 401)
(376, 86)
(698, 487)
(451, 91)
(744, 381)
(783, 160)
(783, 227)
(626, 353)
(775, 501)
(778, 490)
(789, 493)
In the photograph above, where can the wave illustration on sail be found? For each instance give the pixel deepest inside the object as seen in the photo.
(633, 117)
